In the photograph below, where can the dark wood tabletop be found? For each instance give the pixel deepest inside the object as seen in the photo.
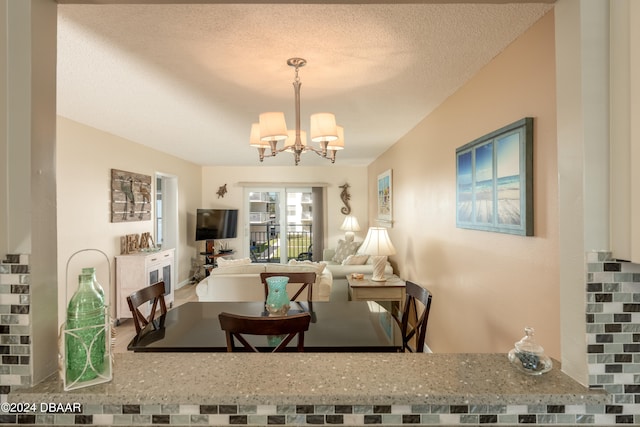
(336, 326)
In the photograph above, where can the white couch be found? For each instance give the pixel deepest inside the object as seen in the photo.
(242, 282)
(340, 270)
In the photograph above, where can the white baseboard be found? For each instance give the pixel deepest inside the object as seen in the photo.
(427, 349)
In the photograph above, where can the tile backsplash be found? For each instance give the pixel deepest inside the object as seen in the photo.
(613, 333)
(15, 324)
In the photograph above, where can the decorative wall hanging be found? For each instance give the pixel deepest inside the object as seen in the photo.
(385, 190)
(494, 181)
(132, 243)
(130, 196)
(345, 197)
(222, 190)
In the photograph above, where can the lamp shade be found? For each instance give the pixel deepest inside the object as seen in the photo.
(377, 243)
(254, 138)
(323, 127)
(350, 223)
(338, 144)
(272, 126)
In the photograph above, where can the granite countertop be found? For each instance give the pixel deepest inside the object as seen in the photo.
(319, 378)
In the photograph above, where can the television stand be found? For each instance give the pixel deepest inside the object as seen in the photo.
(210, 256)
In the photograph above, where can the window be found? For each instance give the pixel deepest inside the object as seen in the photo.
(159, 235)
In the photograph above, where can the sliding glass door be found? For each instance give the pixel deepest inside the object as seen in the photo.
(280, 224)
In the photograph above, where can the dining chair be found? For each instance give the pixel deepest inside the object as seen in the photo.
(150, 294)
(417, 306)
(236, 327)
(307, 280)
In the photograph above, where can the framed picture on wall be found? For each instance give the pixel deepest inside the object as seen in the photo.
(385, 199)
(494, 181)
(130, 196)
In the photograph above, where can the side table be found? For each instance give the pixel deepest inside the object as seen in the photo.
(365, 289)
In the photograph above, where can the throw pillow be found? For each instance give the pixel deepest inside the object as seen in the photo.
(345, 249)
(355, 260)
(223, 262)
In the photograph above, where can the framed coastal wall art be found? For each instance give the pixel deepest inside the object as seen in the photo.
(130, 196)
(494, 181)
(385, 199)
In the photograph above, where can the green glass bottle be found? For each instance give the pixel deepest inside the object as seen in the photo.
(92, 271)
(85, 332)
(98, 288)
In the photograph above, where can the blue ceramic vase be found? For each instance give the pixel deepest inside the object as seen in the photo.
(277, 298)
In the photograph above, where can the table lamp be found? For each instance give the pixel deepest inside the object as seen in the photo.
(349, 225)
(378, 245)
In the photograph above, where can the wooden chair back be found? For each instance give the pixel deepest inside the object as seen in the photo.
(236, 326)
(153, 294)
(307, 280)
(414, 330)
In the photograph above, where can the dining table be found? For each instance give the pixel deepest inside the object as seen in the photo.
(336, 326)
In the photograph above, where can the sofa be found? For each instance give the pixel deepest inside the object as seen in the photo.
(345, 260)
(241, 282)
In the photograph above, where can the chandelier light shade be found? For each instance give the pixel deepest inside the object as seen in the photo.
(349, 225)
(337, 144)
(272, 128)
(378, 245)
(323, 127)
(254, 139)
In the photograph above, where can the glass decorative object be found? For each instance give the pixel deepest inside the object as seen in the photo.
(274, 340)
(528, 356)
(85, 344)
(96, 285)
(278, 301)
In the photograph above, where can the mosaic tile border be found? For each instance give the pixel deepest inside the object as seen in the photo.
(15, 324)
(352, 415)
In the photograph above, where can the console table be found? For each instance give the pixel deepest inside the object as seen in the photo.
(365, 289)
(137, 270)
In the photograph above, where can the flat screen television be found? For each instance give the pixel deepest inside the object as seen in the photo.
(213, 224)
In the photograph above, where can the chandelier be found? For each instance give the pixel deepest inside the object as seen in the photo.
(272, 128)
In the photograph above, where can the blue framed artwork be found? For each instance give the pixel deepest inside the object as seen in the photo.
(494, 181)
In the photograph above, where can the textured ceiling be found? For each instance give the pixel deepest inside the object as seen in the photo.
(189, 79)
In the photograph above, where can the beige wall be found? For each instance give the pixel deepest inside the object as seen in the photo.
(487, 286)
(331, 175)
(85, 157)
